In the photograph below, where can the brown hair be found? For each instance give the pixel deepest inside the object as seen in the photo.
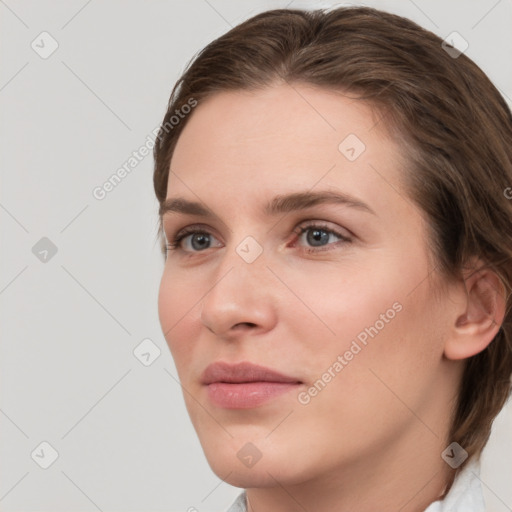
(454, 127)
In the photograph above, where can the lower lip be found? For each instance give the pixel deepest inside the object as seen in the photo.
(247, 394)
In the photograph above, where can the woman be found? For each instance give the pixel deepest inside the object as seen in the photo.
(336, 290)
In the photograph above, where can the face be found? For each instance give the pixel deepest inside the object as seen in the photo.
(300, 252)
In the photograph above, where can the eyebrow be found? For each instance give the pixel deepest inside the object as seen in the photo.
(279, 204)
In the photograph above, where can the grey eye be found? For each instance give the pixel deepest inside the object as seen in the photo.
(316, 237)
(199, 241)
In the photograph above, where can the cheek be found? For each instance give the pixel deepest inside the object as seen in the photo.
(177, 301)
(166, 303)
(378, 317)
(344, 302)
(354, 385)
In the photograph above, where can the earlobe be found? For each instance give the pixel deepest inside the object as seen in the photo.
(484, 310)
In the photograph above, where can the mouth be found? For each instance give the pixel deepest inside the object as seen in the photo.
(245, 385)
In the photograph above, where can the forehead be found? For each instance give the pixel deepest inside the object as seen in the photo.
(284, 136)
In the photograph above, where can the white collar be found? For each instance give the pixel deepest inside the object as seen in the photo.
(465, 494)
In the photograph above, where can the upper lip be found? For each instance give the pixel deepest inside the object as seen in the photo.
(242, 372)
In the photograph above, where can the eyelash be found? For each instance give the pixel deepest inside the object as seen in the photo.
(174, 245)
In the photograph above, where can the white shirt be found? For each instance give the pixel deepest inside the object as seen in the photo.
(465, 494)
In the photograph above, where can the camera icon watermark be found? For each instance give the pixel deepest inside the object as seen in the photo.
(508, 193)
(249, 454)
(249, 249)
(147, 352)
(44, 250)
(44, 45)
(454, 45)
(44, 455)
(454, 455)
(351, 147)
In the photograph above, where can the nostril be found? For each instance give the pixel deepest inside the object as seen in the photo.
(245, 324)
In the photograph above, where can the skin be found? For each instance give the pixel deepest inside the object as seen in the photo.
(372, 438)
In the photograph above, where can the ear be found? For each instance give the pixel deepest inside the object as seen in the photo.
(481, 313)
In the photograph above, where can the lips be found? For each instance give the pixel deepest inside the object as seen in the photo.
(242, 372)
(245, 385)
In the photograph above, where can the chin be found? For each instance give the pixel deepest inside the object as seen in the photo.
(262, 474)
(231, 461)
(248, 478)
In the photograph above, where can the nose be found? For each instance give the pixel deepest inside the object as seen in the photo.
(241, 299)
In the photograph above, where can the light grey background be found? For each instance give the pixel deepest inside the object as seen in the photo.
(69, 325)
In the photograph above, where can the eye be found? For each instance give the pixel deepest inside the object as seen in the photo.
(192, 240)
(319, 236)
(313, 237)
